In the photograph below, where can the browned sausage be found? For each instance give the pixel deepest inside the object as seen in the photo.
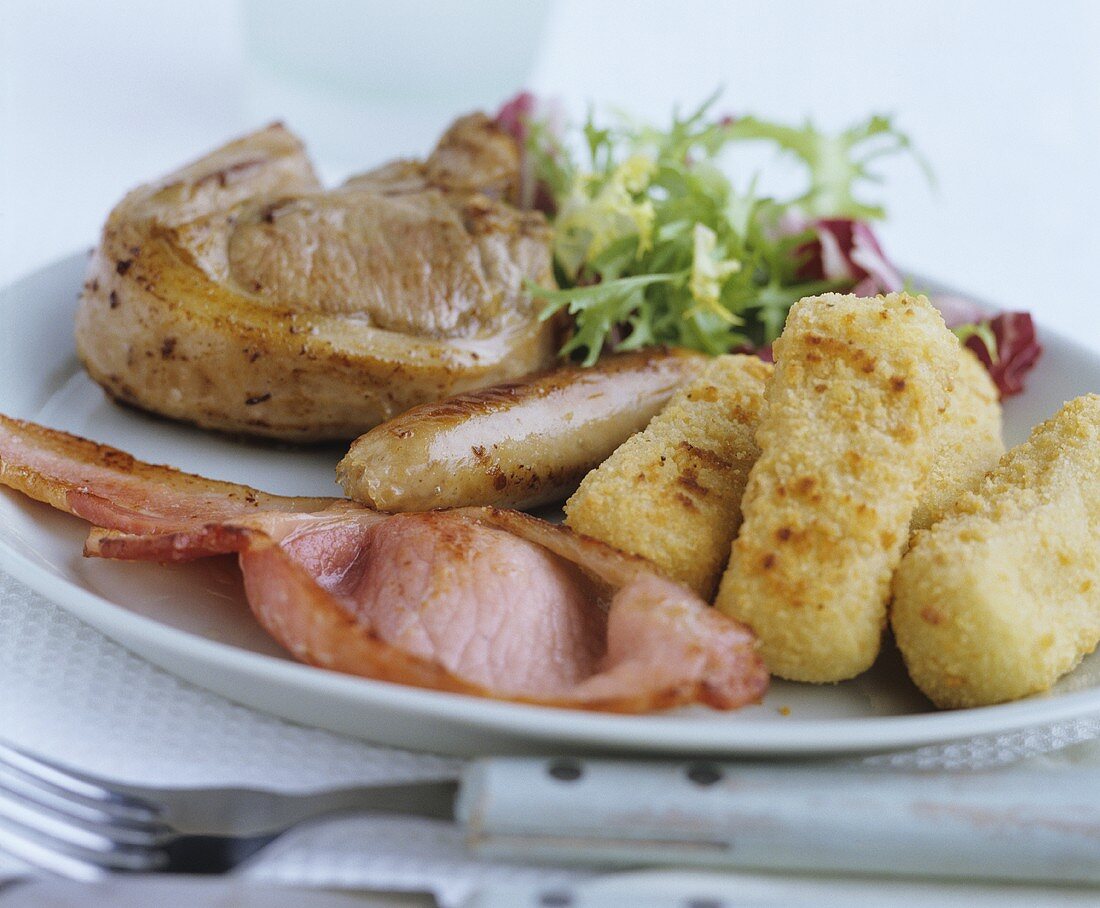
(517, 445)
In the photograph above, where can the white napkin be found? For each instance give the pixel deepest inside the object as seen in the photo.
(72, 695)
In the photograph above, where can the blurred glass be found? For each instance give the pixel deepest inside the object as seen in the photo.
(364, 81)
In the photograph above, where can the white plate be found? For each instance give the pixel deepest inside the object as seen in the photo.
(193, 621)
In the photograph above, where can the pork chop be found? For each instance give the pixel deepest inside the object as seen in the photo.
(238, 294)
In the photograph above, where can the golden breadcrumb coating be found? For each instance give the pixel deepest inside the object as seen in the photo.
(846, 441)
(1002, 596)
(672, 493)
(968, 441)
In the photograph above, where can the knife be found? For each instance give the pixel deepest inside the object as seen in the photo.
(1005, 824)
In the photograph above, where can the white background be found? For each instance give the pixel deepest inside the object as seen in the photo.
(1002, 97)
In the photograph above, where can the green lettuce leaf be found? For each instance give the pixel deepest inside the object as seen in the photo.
(654, 244)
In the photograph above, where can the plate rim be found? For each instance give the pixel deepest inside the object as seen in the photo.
(539, 725)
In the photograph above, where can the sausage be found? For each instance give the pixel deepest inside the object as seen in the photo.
(516, 445)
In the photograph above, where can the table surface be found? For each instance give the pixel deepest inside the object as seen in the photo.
(1003, 99)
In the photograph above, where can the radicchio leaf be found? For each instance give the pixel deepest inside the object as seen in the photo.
(847, 250)
(515, 115)
(1018, 350)
(957, 310)
(537, 124)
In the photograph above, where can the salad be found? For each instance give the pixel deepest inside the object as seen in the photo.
(655, 243)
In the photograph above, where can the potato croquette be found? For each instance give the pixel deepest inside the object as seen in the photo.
(968, 441)
(1002, 596)
(672, 493)
(846, 442)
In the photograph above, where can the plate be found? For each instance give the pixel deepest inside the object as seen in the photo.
(193, 621)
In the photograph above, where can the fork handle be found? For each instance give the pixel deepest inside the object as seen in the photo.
(1004, 824)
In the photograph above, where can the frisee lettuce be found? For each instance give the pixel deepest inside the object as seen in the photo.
(653, 244)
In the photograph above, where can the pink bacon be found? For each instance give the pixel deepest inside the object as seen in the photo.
(479, 601)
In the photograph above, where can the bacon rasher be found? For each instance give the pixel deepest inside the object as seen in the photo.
(479, 601)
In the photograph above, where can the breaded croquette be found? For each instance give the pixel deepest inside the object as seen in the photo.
(1002, 596)
(846, 441)
(672, 493)
(968, 441)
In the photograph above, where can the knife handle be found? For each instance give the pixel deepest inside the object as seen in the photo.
(1004, 824)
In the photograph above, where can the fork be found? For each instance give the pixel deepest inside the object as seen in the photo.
(1009, 824)
(82, 828)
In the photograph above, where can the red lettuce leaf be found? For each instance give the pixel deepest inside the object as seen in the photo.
(847, 250)
(958, 310)
(520, 117)
(515, 115)
(1018, 350)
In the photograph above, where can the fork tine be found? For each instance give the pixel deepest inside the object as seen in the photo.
(27, 835)
(57, 783)
(44, 857)
(73, 826)
(60, 828)
(47, 798)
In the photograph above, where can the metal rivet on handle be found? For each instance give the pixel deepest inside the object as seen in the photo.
(556, 899)
(565, 770)
(704, 773)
